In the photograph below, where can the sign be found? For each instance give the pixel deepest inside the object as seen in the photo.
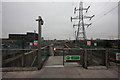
(95, 44)
(31, 43)
(117, 56)
(35, 43)
(88, 43)
(73, 57)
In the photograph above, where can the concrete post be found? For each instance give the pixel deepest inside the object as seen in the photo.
(40, 22)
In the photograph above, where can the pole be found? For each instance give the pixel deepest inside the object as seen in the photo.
(39, 42)
(23, 53)
(106, 57)
(63, 57)
(85, 58)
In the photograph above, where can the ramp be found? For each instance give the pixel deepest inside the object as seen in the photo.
(54, 61)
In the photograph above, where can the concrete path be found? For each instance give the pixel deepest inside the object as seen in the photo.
(64, 72)
(54, 69)
(57, 61)
(54, 61)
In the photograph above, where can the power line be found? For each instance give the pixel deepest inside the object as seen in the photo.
(107, 13)
(112, 9)
(104, 7)
(98, 13)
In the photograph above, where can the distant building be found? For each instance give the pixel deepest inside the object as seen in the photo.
(27, 37)
(3, 38)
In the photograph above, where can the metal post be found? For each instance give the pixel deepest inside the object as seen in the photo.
(85, 59)
(63, 57)
(34, 37)
(23, 53)
(106, 58)
(84, 35)
(40, 22)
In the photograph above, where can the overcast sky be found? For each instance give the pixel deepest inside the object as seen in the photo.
(19, 17)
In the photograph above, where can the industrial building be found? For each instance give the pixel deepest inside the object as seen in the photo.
(29, 36)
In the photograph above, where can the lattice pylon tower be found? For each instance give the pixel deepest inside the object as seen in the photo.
(80, 33)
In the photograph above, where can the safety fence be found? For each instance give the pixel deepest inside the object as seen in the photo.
(25, 54)
(96, 57)
(23, 57)
(113, 55)
(87, 57)
(94, 44)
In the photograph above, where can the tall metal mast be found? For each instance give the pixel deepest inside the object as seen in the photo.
(81, 35)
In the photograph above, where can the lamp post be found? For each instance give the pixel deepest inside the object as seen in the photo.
(40, 22)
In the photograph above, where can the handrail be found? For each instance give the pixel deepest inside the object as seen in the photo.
(22, 49)
(11, 59)
(84, 49)
(26, 53)
(67, 46)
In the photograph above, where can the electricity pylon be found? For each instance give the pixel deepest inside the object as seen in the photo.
(80, 33)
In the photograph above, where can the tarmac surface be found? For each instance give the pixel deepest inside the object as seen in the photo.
(54, 69)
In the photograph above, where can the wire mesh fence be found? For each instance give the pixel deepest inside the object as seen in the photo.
(112, 55)
(14, 50)
(94, 44)
(58, 53)
(18, 53)
(24, 59)
(96, 57)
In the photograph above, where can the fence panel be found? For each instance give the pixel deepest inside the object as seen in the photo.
(96, 58)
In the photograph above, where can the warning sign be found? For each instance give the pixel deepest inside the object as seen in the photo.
(35, 43)
(117, 56)
(88, 43)
(30, 44)
(95, 44)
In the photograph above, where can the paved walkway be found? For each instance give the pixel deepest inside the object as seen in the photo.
(54, 69)
(65, 72)
(54, 61)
